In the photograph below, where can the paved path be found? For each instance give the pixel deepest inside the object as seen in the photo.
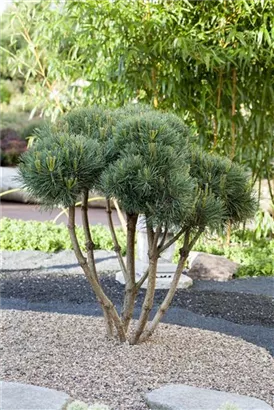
(29, 212)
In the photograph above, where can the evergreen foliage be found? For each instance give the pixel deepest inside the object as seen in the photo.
(222, 184)
(151, 176)
(59, 167)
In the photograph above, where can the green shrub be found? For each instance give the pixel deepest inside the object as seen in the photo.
(77, 405)
(49, 237)
(14, 120)
(20, 122)
(5, 94)
(229, 406)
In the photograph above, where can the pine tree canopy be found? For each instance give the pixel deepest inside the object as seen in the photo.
(57, 168)
(145, 159)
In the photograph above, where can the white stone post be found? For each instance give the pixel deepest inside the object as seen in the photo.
(166, 268)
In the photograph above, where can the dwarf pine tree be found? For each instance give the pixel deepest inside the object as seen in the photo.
(146, 161)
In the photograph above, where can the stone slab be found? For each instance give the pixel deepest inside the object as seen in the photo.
(17, 396)
(183, 397)
(60, 262)
(164, 267)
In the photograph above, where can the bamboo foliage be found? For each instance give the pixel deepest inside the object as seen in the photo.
(212, 62)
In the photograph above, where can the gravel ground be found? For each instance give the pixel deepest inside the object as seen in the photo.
(249, 316)
(71, 353)
(240, 308)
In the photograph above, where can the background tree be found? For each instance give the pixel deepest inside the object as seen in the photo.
(136, 159)
(212, 62)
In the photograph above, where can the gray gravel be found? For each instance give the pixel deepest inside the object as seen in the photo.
(246, 315)
(71, 353)
(258, 335)
(106, 261)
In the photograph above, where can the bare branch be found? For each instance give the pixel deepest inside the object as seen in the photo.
(184, 252)
(130, 288)
(89, 241)
(143, 278)
(152, 272)
(120, 215)
(171, 242)
(117, 247)
(161, 244)
(156, 236)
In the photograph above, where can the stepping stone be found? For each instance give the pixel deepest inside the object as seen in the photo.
(17, 396)
(183, 397)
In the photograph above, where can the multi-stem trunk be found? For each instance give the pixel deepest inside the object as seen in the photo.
(89, 269)
(184, 252)
(151, 285)
(130, 286)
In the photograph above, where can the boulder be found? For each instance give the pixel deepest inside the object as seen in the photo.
(183, 397)
(211, 267)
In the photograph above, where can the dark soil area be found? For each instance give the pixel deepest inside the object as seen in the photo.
(239, 308)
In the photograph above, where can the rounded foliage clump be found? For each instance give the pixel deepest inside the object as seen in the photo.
(143, 131)
(151, 175)
(92, 123)
(61, 166)
(224, 189)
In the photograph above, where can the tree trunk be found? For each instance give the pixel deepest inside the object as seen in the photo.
(152, 272)
(184, 252)
(117, 247)
(130, 286)
(90, 272)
